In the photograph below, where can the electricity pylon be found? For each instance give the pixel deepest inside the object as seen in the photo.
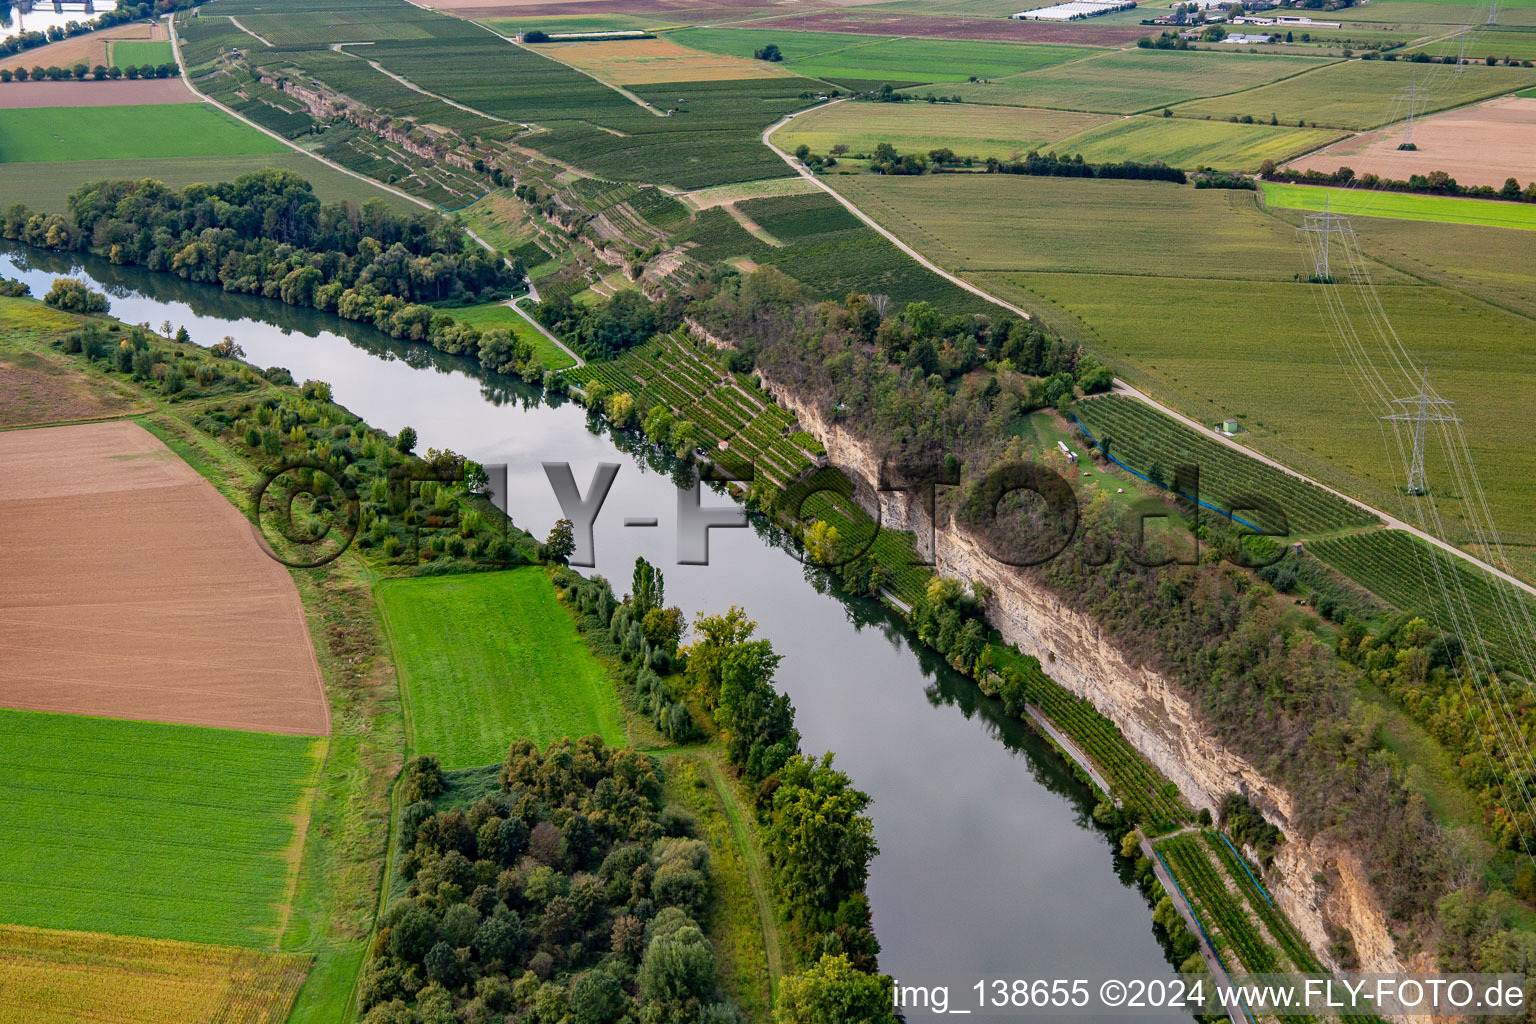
(1412, 94)
(1324, 225)
(1426, 409)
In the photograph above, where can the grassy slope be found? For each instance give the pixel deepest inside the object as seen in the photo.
(1403, 206)
(499, 314)
(143, 828)
(488, 658)
(125, 133)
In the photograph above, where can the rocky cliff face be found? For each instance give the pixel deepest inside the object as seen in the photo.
(1319, 888)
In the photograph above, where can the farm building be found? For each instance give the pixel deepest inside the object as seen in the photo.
(1243, 39)
(1075, 10)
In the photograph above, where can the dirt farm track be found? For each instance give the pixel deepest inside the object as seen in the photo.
(133, 589)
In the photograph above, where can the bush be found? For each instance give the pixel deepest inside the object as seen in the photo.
(75, 296)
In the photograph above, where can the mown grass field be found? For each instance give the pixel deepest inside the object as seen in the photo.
(498, 314)
(970, 129)
(136, 52)
(1200, 303)
(1403, 206)
(490, 658)
(1358, 94)
(836, 55)
(1191, 144)
(125, 133)
(138, 828)
(53, 977)
(1129, 81)
(46, 185)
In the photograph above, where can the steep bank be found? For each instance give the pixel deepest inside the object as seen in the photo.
(1150, 709)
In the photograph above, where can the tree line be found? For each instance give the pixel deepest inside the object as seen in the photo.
(121, 14)
(79, 70)
(1436, 183)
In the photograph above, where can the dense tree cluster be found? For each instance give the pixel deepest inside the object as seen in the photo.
(12, 288)
(569, 894)
(74, 296)
(607, 329)
(1052, 165)
(1437, 183)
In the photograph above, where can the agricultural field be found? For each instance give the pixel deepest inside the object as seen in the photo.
(121, 93)
(1204, 304)
(1153, 445)
(499, 314)
(1455, 13)
(125, 133)
(143, 828)
(46, 186)
(970, 129)
(163, 539)
(1502, 42)
(1131, 81)
(646, 61)
(1280, 929)
(873, 59)
(1358, 94)
(1483, 144)
(1402, 570)
(1225, 915)
(53, 977)
(1403, 206)
(705, 198)
(607, 22)
(90, 48)
(1192, 144)
(138, 52)
(489, 658)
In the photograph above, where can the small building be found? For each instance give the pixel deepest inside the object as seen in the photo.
(1304, 22)
(1244, 39)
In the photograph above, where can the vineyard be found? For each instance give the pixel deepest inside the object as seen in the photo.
(1407, 572)
(1295, 949)
(46, 975)
(1220, 911)
(1133, 780)
(1154, 445)
(741, 431)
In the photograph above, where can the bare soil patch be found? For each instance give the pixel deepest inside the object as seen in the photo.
(1478, 145)
(121, 93)
(990, 30)
(643, 61)
(90, 48)
(35, 389)
(134, 590)
(670, 10)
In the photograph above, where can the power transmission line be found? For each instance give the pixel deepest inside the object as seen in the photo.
(1420, 417)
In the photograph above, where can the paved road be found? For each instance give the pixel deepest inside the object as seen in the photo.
(520, 311)
(806, 172)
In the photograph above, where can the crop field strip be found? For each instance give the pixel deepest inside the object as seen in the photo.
(1402, 206)
(1142, 437)
(54, 977)
(491, 656)
(1401, 570)
(143, 828)
(1133, 779)
(1216, 905)
(124, 133)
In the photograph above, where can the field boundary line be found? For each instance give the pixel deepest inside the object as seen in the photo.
(264, 40)
(187, 80)
(407, 715)
(922, 260)
(1392, 522)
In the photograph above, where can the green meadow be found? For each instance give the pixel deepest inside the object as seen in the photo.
(137, 52)
(1403, 206)
(490, 658)
(39, 134)
(499, 314)
(142, 828)
(1191, 144)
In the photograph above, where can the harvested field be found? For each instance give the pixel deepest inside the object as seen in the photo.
(644, 61)
(705, 198)
(140, 92)
(1477, 145)
(90, 48)
(134, 590)
(36, 389)
(992, 30)
(54, 977)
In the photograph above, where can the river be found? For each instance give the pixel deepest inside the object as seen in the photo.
(990, 866)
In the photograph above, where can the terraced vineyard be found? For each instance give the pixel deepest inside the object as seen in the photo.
(1133, 780)
(1296, 951)
(741, 430)
(1225, 919)
(1143, 440)
(1402, 570)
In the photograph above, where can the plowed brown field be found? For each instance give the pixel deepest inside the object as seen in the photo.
(133, 589)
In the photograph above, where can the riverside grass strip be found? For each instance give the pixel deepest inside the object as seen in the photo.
(55, 977)
(492, 657)
(142, 828)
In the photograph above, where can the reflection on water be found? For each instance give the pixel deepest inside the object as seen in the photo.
(14, 21)
(990, 863)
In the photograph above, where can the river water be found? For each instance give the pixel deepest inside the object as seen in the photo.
(13, 22)
(990, 865)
